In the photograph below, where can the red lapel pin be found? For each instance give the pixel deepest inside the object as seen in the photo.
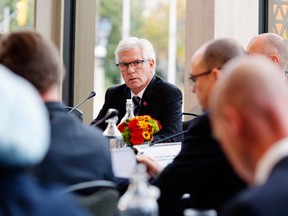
(144, 103)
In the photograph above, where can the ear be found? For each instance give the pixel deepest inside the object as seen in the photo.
(216, 73)
(234, 120)
(275, 58)
(152, 64)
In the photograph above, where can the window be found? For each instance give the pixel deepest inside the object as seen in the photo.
(15, 14)
(161, 22)
(277, 18)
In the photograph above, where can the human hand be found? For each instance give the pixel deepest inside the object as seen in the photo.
(153, 167)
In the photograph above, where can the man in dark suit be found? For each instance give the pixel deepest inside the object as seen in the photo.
(161, 100)
(200, 169)
(77, 153)
(249, 116)
(24, 140)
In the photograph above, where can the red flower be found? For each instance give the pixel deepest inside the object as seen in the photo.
(133, 125)
(121, 127)
(136, 137)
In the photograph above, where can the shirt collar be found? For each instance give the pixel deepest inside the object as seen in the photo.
(140, 94)
(271, 157)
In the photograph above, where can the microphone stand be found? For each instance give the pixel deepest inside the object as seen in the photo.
(92, 94)
(110, 113)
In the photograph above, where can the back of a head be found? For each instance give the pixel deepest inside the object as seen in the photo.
(28, 54)
(131, 42)
(250, 83)
(269, 44)
(248, 111)
(220, 51)
(24, 124)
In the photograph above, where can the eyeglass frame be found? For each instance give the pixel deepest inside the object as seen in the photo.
(193, 78)
(127, 64)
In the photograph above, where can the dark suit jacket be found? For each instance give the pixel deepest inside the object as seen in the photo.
(20, 195)
(270, 199)
(161, 100)
(200, 169)
(77, 152)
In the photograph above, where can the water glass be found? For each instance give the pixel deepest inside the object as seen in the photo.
(200, 212)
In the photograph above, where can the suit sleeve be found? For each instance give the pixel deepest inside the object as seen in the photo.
(240, 209)
(188, 173)
(170, 116)
(104, 110)
(200, 169)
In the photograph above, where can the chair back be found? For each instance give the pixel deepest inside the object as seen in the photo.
(185, 123)
(101, 202)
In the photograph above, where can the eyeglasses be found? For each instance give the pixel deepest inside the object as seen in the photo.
(193, 78)
(137, 64)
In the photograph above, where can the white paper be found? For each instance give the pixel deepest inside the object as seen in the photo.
(123, 162)
(164, 153)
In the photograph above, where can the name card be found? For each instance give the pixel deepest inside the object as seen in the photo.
(124, 161)
(164, 153)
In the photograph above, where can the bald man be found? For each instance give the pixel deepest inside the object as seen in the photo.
(201, 168)
(271, 45)
(250, 120)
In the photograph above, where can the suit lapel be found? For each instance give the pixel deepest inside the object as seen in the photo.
(145, 101)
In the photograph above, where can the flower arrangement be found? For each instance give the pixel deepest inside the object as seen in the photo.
(139, 129)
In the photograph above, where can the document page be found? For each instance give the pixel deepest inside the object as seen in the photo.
(123, 162)
(164, 153)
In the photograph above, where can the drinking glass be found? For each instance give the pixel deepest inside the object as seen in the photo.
(200, 212)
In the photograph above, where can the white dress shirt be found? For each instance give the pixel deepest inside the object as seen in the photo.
(265, 165)
(140, 94)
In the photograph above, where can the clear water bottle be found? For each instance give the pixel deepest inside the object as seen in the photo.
(113, 134)
(129, 110)
(140, 198)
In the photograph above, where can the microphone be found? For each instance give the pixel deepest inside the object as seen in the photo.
(110, 113)
(169, 137)
(92, 94)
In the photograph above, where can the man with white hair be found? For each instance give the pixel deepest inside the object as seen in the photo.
(24, 141)
(152, 95)
(249, 117)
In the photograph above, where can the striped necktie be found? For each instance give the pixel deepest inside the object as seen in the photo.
(137, 104)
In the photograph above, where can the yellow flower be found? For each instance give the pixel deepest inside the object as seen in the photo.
(146, 135)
